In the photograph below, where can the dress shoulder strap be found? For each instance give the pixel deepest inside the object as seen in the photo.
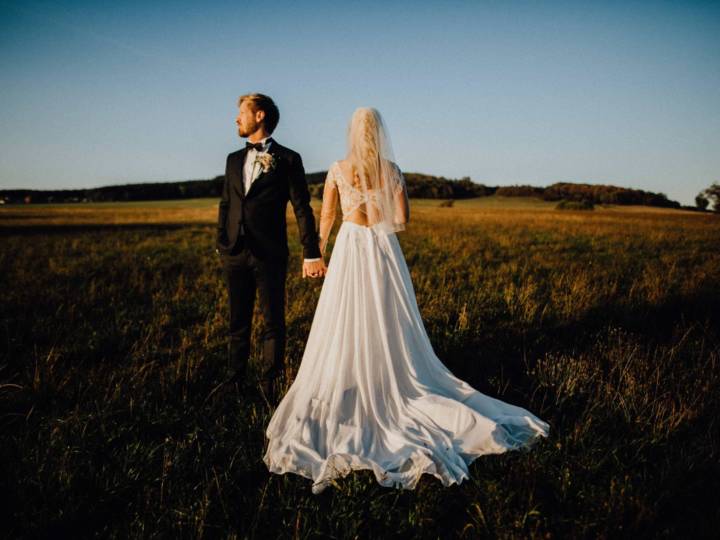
(332, 173)
(338, 172)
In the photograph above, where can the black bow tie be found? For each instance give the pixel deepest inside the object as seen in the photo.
(257, 146)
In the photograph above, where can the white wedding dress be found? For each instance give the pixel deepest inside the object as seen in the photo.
(370, 392)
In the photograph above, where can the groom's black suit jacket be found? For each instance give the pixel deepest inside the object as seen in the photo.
(257, 219)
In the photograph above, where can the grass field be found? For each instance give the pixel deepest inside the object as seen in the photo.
(606, 324)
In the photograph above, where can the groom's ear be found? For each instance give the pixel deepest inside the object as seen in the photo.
(259, 116)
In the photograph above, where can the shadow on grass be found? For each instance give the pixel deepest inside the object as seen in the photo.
(507, 350)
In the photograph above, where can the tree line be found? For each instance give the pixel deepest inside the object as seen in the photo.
(591, 194)
(418, 185)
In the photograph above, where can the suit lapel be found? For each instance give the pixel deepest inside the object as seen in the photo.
(240, 187)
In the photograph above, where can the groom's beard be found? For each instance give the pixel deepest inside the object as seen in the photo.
(246, 132)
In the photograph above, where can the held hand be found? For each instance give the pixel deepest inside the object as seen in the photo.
(314, 268)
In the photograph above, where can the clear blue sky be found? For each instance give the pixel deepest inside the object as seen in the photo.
(627, 93)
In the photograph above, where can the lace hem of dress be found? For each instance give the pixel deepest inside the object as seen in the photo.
(407, 470)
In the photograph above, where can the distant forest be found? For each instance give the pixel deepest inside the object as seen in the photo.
(419, 186)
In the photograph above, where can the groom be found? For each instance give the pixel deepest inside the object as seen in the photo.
(252, 237)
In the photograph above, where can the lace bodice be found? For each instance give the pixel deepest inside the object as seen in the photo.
(351, 198)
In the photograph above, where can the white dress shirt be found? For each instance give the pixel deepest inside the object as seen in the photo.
(251, 170)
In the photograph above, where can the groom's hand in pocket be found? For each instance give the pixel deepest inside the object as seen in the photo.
(314, 268)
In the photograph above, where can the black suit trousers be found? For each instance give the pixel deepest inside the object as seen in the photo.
(245, 275)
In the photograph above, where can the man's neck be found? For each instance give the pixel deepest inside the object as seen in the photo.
(258, 136)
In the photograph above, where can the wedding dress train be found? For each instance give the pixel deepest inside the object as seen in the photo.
(370, 392)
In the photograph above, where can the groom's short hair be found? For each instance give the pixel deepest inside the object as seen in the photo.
(261, 102)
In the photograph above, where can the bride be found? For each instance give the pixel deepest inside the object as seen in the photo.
(370, 392)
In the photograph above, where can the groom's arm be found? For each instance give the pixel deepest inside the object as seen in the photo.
(300, 199)
(223, 207)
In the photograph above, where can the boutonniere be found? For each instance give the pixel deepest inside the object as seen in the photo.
(266, 161)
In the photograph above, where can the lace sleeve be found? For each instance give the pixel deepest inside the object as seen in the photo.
(402, 204)
(327, 211)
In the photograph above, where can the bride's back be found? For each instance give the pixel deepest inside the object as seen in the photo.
(358, 213)
(355, 207)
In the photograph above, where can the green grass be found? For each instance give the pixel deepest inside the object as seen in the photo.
(603, 323)
(173, 203)
(491, 202)
(213, 201)
(494, 201)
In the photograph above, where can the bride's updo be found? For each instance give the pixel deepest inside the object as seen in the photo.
(364, 144)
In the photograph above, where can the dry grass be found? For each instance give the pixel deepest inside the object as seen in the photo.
(603, 323)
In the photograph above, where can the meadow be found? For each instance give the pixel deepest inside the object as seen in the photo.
(604, 323)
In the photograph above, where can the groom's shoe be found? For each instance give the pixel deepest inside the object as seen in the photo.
(233, 375)
(230, 379)
(268, 391)
(236, 364)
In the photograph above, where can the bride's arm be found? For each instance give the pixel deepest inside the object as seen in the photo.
(402, 204)
(327, 211)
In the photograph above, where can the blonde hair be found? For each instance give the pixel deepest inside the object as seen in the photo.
(364, 144)
(261, 102)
